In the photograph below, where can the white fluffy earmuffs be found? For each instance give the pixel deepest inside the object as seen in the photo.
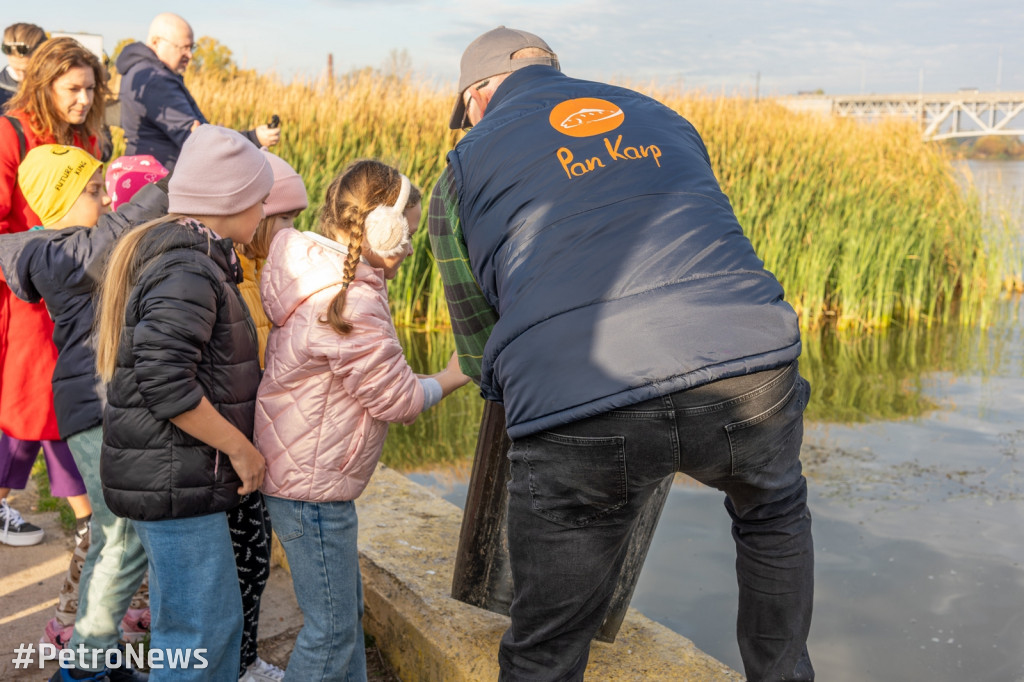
(386, 229)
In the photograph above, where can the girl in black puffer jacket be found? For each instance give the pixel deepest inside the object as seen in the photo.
(178, 351)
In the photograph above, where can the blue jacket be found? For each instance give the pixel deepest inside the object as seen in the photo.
(157, 109)
(598, 232)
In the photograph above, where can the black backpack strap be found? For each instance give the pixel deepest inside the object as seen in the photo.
(16, 124)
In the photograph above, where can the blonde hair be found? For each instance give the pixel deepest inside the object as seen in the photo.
(119, 278)
(361, 187)
(259, 247)
(51, 60)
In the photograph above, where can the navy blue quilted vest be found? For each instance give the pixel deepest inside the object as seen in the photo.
(598, 232)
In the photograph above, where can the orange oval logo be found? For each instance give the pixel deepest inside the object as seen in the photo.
(585, 117)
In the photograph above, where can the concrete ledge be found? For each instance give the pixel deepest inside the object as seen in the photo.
(407, 543)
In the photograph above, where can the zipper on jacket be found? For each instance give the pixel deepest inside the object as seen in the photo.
(216, 462)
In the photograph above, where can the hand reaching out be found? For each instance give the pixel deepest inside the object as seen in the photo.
(451, 377)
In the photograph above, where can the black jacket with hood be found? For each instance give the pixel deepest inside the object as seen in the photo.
(187, 334)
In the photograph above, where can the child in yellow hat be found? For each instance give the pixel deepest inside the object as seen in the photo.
(63, 185)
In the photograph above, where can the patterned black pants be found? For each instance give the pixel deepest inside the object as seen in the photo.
(250, 539)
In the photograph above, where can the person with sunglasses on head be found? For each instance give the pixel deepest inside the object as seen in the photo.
(158, 113)
(20, 40)
(60, 102)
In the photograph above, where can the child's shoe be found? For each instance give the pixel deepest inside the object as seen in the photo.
(15, 530)
(135, 625)
(56, 634)
(261, 671)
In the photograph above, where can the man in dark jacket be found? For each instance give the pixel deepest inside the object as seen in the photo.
(602, 290)
(157, 111)
(20, 41)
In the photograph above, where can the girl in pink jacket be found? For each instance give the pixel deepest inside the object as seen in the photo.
(335, 377)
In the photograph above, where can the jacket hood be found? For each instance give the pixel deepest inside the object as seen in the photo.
(194, 236)
(301, 264)
(135, 53)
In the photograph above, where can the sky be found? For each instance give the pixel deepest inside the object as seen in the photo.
(777, 47)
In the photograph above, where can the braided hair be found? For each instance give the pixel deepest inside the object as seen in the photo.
(361, 187)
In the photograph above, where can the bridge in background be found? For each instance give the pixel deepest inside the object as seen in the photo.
(967, 113)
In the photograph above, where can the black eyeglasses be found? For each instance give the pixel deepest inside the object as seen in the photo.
(20, 49)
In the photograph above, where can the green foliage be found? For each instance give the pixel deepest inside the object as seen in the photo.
(212, 59)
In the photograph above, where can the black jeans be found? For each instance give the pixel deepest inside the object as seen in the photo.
(576, 491)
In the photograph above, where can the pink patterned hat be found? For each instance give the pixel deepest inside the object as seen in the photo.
(126, 175)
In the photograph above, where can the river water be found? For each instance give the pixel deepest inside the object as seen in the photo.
(914, 453)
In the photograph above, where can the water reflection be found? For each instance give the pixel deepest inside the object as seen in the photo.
(883, 376)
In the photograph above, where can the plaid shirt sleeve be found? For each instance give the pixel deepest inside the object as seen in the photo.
(471, 315)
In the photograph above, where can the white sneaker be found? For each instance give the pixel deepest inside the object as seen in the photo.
(15, 530)
(261, 671)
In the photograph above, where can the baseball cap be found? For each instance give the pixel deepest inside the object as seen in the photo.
(490, 55)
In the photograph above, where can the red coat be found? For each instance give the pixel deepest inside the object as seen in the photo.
(27, 353)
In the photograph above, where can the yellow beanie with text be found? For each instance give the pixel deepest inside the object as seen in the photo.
(52, 177)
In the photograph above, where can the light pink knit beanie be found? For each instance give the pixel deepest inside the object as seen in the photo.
(289, 191)
(219, 172)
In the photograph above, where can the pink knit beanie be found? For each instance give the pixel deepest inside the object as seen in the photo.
(219, 172)
(289, 192)
(126, 175)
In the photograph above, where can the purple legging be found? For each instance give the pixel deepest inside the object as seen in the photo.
(18, 456)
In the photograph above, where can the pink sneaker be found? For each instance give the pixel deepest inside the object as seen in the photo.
(135, 625)
(56, 634)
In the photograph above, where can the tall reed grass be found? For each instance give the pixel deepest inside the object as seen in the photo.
(866, 226)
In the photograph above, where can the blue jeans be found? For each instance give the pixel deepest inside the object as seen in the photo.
(575, 492)
(194, 600)
(116, 562)
(320, 541)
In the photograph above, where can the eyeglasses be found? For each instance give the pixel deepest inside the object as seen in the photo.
(181, 48)
(20, 49)
(466, 125)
